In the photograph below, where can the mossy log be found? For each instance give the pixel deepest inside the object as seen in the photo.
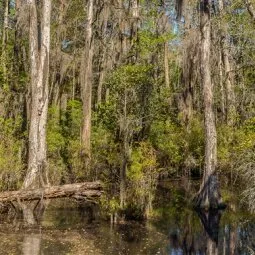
(90, 191)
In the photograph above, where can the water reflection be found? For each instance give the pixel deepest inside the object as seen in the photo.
(176, 230)
(211, 221)
(31, 244)
(218, 234)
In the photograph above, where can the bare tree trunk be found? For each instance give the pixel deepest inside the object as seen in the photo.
(208, 196)
(39, 61)
(125, 148)
(85, 190)
(135, 19)
(44, 87)
(222, 90)
(121, 45)
(33, 136)
(231, 109)
(4, 41)
(167, 80)
(86, 83)
(103, 59)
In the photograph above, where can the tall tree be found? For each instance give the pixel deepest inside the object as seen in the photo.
(103, 60)
(4, 39)
(86, 82)
(230, 94)
(208, 196)
(39, 45)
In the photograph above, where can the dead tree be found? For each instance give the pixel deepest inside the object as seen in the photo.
(88, 191)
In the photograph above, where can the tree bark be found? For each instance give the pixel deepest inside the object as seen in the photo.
(4, 41)
(230, 94)
(135, 19)
(166, 65)
(39, 68)
(222, 90)
(124, 129)
(103, 58)
(44, 87)
(86, 190)
(86, 83)
(208, 196)
(121, 45)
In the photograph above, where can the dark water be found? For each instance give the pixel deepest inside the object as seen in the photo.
(174, 230)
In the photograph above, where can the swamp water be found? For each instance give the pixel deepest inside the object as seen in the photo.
(174, 230)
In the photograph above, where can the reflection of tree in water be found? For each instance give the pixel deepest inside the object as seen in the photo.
(187, 240)
(31, 244)
(232, 238)
(246, 238)
(211, 221)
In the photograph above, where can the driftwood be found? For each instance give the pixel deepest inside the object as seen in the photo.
(87, 191)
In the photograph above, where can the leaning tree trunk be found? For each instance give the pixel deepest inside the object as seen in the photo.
(86, 83)
(39, 68)
(208, 196)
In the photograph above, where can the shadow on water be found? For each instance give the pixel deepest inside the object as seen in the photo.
(175, 229)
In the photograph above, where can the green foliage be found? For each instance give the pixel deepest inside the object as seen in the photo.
(249, 126)
(71, 123)
(55, 139)
(167, 137)
(72, 118)
(235, 141)
(106, 115)
(141, 115)
(109, 205)
(143, 160)
(105, 151)
(142, 177)
(130, 77)
(63, 140)
(131, 87)
(11, 148)
(55, 143)
(149, 41)
(179, 147)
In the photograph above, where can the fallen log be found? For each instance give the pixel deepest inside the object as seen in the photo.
(87, 191)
